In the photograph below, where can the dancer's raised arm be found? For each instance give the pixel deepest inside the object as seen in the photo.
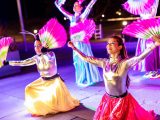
(86, 12)
(131, 62)
(27, 62)
(63, 11)
(100, 62)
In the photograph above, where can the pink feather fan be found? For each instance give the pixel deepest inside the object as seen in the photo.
(52, 34)
(83, 31)
(80, 1)
(137, 7)
(145, 29)
(4, 45)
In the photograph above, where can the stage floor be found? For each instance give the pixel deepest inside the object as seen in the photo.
(12, 96)
(145, 91)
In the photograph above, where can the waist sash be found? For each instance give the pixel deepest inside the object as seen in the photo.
(52, 77)
(119, 96)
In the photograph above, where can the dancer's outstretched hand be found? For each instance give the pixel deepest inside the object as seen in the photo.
(59, 2)
(70, 44)
(157, 40)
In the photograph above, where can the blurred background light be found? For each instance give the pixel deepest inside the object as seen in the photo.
(124, 23)
(35, 31)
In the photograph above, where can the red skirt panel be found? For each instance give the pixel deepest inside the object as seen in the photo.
(126, 108)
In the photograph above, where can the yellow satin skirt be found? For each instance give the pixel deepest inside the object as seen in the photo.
(44, 97)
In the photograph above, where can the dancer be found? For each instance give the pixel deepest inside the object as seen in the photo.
(151, 64)
(81, 30)
(48, 94)
(117, 103)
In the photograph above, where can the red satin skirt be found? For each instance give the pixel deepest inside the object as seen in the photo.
(126, 108)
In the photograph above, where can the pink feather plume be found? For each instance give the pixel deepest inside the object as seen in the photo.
(137, 7)
(53, 34)
(145, 29)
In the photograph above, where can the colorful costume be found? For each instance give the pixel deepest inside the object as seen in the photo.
(117, 103)
(144, 30)
(152, 62)
(86, 73)
(81, 30)
(48, 94)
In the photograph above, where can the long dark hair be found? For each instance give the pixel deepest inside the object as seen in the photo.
(44, 49)
(123, 53)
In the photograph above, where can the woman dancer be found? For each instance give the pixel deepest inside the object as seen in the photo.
(117, 103)
(48, 94)
(81, 30)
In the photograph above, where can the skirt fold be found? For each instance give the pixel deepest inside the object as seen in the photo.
(126, 108)
(48, 97)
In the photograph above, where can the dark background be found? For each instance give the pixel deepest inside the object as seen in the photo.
(46, 8)
(37, 12)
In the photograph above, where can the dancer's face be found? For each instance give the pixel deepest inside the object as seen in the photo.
(37, 47)
(113, 47)
(77, 8)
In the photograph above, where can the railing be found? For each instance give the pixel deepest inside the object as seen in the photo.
(98, 32)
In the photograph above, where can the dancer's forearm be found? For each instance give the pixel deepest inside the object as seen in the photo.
(88, 9)
(63, 11)
(136, 59)
(26, 62)
(96, 61)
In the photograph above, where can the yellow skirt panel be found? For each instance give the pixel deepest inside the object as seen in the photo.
(48, 97)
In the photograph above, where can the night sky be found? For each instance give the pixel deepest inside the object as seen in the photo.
(42, 10)
(46, 8)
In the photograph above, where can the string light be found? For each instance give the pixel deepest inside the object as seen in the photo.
(35, 31)
(103, 15)
(124, 23)
(65, 18)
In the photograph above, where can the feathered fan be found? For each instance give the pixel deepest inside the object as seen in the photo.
(84, 31)
(4, 45)
(143, 28)
(137, 7)
(52, 35)
(80, 1)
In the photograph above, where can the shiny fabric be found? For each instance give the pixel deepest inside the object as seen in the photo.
(126, 108)
(115, 80)
(46, 63)
(86, 73)
(46, 96)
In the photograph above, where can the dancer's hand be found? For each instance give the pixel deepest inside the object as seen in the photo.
(59, 2)
(70, 44)
(157, 40)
